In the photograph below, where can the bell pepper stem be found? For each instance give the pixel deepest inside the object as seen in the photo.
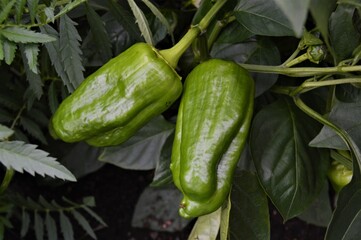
(173, 54)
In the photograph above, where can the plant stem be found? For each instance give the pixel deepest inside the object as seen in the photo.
(297, 60)
(173, 54)
(293, 56)
(6, 180)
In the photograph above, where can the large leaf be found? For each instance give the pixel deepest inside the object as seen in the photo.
(263, 17)
(142, 151)
(249, 217)
(162, 204)
(344, 36)
(207, 226)
(25, 157)
(345, 115)
(291, 172)
(22, 35)
(296, 12)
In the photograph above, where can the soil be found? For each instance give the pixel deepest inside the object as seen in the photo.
(116, 192)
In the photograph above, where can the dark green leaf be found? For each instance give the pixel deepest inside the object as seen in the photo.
(25, 222)
(35, 82)
(66, 227)
(31, 52)
(263, 17)
(346, 116)
(344, 36)
(291, 172)
(142, 22)
(22, 35)
(9, 51)
(94, 215)
(83, 223)
(32, 6)
(45, 204)
(6, 11)
(38, 226)
(70, 51)
(70, 6)
(89, 201)
(20, 5)
(49, 12)
(234, 33)
(99, 34)
(53, 49)
(2, 54)
(50, 227)
(249, 216)
(142, 151)
(296, 12)
(5, 116)
(33, 129)
(53, 97)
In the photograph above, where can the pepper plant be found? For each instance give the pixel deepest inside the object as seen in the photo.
(103, 72)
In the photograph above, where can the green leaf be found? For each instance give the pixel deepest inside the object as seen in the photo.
(33, 129)
(142, 22)
(66, 227)
(50, 14)
(38, 226)
(25, 223)
(5, 132)
(25, 157)
(296, 12)
(291, 172)
(83, 223)
(53, 49)
(327, 138)
(5, 116)
(2, 54)
(343, 34)
(53, 97)
(70, 51)
(20, 6)
(263, 17)
(31, 53)
(321, 11)
(226, 211)
(94, 215)
(99, 34)
(22, 35)
(32, 7)
(142, 151)
(207, 226)
(249, 217)
(50, 227)
(70, 6)
(6, 11)
(234, 33)
(9, 51)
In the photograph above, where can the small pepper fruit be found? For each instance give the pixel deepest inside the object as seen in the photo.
(211, 130)
(339, 175)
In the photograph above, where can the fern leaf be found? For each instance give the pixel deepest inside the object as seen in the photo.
(54, 55)
(142, 22)
(31, 53)
(66, 227)
(32, 6)
(160, 17)
(26, 157)
(70, 51)
(53, 98)
(50, 226)
(9, 51)
(25, 223)
(35, 83)
(83, 223)
(99, 34)
(94, 215)
(20, 5)
(39, 226)
(6, 11)
(46, 204)
(23, 35)
(70, 6)
(5, 132)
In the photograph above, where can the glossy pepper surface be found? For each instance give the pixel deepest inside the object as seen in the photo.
(118, 99)
(212, 127)
(339, 175)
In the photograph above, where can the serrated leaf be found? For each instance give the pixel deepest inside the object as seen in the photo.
(5, 132)
(70, 6)
(263, 17)
(142, 22)
(38, 226)
(83, 223)
(206, 226)
(33, 129)
(22, 35)
(25, 157)
(50, 227)
(20, 6)
(31, 52)
(66, 227)
(99, 34)
(70, 51)
(25, 223)
(46, 204)
(291, 172)
(49, 12)
(9, 51)
(6, 11)
(94, 215)
(53, 49)
(142, 151)
(32, 7)
(89, 201)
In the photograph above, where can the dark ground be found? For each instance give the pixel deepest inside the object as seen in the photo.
(116, 192)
